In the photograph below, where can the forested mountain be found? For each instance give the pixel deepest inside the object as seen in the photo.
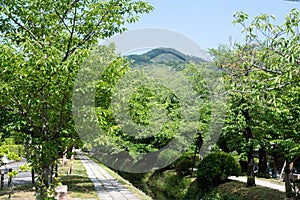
(167, 56)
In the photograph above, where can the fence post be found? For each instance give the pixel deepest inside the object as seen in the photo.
(9, 178)
(32, 176)
(2, 179)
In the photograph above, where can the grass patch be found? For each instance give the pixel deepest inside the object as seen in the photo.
(79, 184)
(250, 193)
(24, 192)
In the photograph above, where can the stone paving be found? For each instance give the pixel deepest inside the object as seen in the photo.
(107, 187)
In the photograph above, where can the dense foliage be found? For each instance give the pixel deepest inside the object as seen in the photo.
(42, 45)
(215, 168)
(262, 79)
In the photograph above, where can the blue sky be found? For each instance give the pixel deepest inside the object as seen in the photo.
(209, 22)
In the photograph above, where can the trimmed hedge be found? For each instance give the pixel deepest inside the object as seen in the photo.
(215, 168)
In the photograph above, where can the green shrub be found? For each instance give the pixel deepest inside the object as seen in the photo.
(15, 149)
(8, 141)
(14, 173)
(13, 156)
(185, 162)
(169, 185)
(25, 168)
(4, 149)
(215, 169)
(263, 175)
(182, 167)
(189, 156)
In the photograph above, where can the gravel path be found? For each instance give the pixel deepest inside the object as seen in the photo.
(107, 187)
(264, 183)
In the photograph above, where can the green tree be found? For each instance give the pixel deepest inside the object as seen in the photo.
(276, 56)
(43, 44)
(141, 101)
(148, 103)
(238, 131)
(263, 76)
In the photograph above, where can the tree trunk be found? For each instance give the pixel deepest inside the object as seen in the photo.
(250, 172)
(56, 169)
(250, 175)
(249, 135)
(262, 165)
(51, 173)
(198, 143)
(44, 182)
(288, 186)
(194, 158)
(71, 161)
(64, 158)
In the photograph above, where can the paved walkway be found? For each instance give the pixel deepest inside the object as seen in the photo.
(22, 177)
(264, 183)
(107, 187)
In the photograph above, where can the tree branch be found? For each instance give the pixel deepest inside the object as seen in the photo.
(7, 109)
(24, 28)
(62, 20)
(22, 112)
(267, 70)
(71, 34)
(61, 120)
(280, 86)
(87, 36)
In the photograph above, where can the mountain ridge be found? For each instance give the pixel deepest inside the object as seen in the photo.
(167, 56)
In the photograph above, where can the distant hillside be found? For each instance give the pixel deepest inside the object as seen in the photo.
(166, 56)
